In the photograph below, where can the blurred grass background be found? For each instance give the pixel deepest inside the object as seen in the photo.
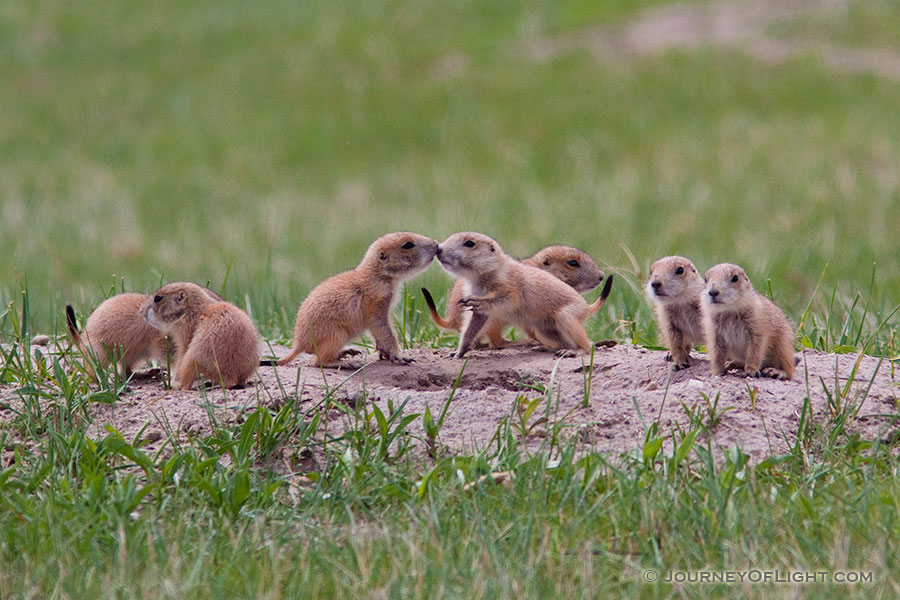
(261, 147)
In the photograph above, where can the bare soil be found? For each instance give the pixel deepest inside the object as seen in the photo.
(630, 388)
(748, 26)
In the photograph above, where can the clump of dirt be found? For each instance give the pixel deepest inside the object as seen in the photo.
(606, 406)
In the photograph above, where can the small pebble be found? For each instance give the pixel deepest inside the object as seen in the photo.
(40, 340)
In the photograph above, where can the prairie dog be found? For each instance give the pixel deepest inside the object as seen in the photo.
(674, 288)
(117, 329)
(214, 338)
(496, 286)
(745, 330)
(344, 306)
(570, 265)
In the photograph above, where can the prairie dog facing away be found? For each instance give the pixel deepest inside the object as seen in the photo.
(674, 288)
(213, 337)
(117, 329)
(498, 287)
(344, 306)
(745, 330)
(570, 265)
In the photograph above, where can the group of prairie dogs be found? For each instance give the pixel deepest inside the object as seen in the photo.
(740, 328)
(203, 335)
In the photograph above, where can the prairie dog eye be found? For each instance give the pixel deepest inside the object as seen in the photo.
(408, 245)
(679, 271)
(157, 299)
(573, 263)
(734, 279)
(546, 262)
(469, 244)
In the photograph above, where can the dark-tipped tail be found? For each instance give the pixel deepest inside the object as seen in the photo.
(283, 360)
(432, 310)
(73, 325)
(599, 302)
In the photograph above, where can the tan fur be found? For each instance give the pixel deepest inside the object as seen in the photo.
(744, 329)
(214, 338)
(117, 329)
(344, 306)
(570, 265)
(674, 288)
(498, 287)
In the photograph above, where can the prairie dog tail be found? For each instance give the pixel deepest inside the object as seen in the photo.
(281, 361)
(73, 326)
(432, 309)
(600, 301)
(76, 341)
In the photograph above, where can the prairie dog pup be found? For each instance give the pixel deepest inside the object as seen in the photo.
(496, 286)
(213, 337)
(346, 305)
(744, 328)
(117, 329)
(674, 288)
(570, 265)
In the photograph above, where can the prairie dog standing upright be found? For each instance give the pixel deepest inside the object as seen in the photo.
(570, 265)
(213, 338)
(344, 306)
(745, 330)
(674, 288)
(117, 330)
(496, 286)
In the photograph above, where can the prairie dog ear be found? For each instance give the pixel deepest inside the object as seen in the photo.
(491, 246)
(181, 297)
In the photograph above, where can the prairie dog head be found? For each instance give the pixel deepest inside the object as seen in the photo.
(172, 302)
(468, 254)
(570, 265)
(674, 280)
(400, 255)
(727, 288)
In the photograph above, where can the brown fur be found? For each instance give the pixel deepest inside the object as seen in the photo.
(344, 306)
(496, 286)
(674, 288)
(117, 329)
(570, 265)
(214, 338)
(744, 329)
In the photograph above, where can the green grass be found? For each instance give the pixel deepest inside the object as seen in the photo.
(864, 24)
(213, 516)
(260, 148)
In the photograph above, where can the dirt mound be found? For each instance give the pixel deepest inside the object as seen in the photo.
(606, 406)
